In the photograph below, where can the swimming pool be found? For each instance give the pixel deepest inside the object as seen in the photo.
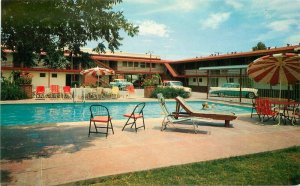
(45, 113)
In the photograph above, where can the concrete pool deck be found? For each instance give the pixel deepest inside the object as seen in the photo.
(62, 153)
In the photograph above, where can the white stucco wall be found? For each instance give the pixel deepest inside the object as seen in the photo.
(45, 81)
(48, 79)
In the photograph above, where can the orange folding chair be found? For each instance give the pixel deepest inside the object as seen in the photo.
(136, 114)
(100, 114)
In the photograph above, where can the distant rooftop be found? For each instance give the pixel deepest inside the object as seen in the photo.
(119, 54)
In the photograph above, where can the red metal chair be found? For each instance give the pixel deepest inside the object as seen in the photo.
(130, 90)
(296, 114)
(264, 109)
(100, 114)
(136, 114)
(39, 92)
(67, 91)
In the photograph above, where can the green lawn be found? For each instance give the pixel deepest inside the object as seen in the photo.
(280, 167)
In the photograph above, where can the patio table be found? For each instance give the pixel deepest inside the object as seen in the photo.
(288, 109)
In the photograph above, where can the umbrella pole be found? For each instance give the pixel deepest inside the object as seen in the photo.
(279, 101)
(279, 114)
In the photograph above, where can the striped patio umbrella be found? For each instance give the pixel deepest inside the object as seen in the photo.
(276, 69)
(97, 72)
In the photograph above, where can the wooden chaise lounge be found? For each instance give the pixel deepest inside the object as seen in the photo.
(180, 102)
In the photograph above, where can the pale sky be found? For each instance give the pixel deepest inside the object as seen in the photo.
(180, 29)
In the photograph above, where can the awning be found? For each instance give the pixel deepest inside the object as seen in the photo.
(224, 67)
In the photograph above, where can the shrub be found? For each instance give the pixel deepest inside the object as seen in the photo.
(154, 80)
(25, 78)
(11, 91)
(169, 92)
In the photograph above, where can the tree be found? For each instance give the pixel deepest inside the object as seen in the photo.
(259, 46)
(30, 27)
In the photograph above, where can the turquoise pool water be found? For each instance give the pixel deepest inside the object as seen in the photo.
(45, 113)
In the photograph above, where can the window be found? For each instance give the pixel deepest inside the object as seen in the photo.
(130, 64)
(136, 64)
(54, 75)
(231, 80)
(200, 80)
(153, 65)
(148, 65)
(194, 80)
(42, 74)
(124, 63)
(142, 65)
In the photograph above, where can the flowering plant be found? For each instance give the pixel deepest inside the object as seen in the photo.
(152, 81)
(25, 78)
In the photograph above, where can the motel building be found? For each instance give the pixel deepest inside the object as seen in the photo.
(199, 73)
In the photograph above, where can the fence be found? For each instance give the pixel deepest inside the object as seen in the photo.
(243, 90)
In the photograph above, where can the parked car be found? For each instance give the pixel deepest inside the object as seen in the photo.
(233, 89)
(177, 84)
(121, 83)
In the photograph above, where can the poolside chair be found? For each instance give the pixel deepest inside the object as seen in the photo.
(134, 116)
(264, 110)
(106, 92)
(115, 92)
(188, 111)
(54, 91)
(130, 90)
(40, 92)
(253, 108)
(295, 114)
(100, 114)
(99, 93)
(170, 118)
(67, 92)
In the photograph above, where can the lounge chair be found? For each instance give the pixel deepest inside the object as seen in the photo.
(134, 115)
(188, 111)
(115, 92)
(99, 93)
(170, 118)
(40, 92)
(54, 91)
(67, 92)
